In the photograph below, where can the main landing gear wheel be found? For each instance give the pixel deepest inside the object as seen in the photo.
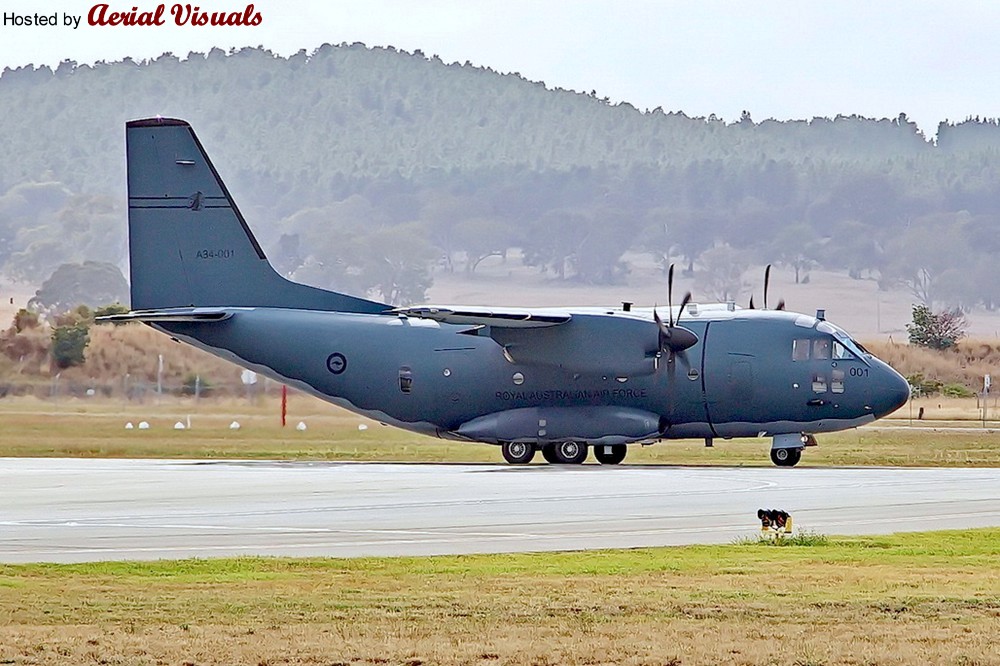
(786, 457)
(610, 454)
(518, 453)
(565, 453)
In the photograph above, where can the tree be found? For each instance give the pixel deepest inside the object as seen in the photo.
(941, 330)
(72, 284)
(68, 344)
(722, 277)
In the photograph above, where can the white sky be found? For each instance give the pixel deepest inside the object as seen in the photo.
(779, 59)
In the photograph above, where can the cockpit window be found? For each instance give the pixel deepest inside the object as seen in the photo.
(841, 352)
(821, 348)
(852, 345)
(800, 350)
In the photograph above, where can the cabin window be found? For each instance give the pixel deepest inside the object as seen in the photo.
(405, 379)
(840, 351)
(517, 378)
(800, 350)
(819, 383)
(837, 381)
(821, 348)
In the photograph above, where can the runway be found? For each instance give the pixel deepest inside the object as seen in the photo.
(68, 510)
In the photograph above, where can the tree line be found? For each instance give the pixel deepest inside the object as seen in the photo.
(367, 169)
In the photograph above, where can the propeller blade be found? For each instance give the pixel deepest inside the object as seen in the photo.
(781, 304)
(680, 311)
(751, 302)
(670, 294)
(767, 281)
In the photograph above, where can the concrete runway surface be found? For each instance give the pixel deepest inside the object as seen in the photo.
(64, 510)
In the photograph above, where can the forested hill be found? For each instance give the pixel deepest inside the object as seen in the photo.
(361, 168)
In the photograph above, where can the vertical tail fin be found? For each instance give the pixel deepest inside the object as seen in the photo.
(188, 243)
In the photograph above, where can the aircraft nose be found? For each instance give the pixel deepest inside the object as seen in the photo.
(893, 391)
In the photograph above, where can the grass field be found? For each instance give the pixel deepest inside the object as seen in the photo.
(900, 599)
(95, 428)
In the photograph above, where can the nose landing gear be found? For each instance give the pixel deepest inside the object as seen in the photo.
(786, 449)
(786, 457)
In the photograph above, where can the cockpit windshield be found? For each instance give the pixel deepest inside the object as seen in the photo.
(843, 338)
(835, 345)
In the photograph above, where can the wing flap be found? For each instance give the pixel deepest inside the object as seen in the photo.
(169, 315)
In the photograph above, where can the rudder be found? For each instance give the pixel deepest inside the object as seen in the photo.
(189, 245)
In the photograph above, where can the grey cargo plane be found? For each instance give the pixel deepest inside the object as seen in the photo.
(555, 380)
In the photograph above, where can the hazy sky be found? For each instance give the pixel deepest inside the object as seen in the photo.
(931, 60)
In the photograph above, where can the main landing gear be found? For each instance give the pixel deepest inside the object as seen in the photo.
(565, 453)
(610, 454)
(518, 453)
(562, 453)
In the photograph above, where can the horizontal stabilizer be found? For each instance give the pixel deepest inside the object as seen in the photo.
(497, 317)
(171, 315)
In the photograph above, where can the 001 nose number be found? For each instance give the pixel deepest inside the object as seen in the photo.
(859, 372)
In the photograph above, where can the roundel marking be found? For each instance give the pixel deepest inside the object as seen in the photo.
(336, 363)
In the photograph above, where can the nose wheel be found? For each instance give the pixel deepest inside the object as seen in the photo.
(786, 457)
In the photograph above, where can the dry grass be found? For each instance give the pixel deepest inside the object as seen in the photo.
(95, 428)
(901, 599)
(965, 364)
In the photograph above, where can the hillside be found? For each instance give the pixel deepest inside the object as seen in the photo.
(373, 171)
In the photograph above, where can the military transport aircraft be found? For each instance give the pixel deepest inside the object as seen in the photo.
(555, 380)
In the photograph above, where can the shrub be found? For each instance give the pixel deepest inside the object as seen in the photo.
(957, 391)
(68, 344)
(112, 309)
(24, 320)
(922, 386)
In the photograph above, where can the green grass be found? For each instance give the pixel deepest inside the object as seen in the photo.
(904, 598)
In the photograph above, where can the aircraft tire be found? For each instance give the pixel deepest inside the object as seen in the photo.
(517, 453)
(549, 453)
(786, 457)
(567, 453)
(617, 454)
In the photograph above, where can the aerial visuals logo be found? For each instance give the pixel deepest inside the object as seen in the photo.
(104, 14)
(181, 15)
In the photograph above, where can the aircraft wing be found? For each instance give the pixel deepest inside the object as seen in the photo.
(169, 315)
(495, 317)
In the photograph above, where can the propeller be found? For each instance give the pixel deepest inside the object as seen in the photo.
(767, 283)
(673, 337)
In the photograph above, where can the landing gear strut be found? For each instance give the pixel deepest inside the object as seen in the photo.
(518, 453)
(610, 454)
(565, 453)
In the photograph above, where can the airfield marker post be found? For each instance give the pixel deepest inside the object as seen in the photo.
(284, 404)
